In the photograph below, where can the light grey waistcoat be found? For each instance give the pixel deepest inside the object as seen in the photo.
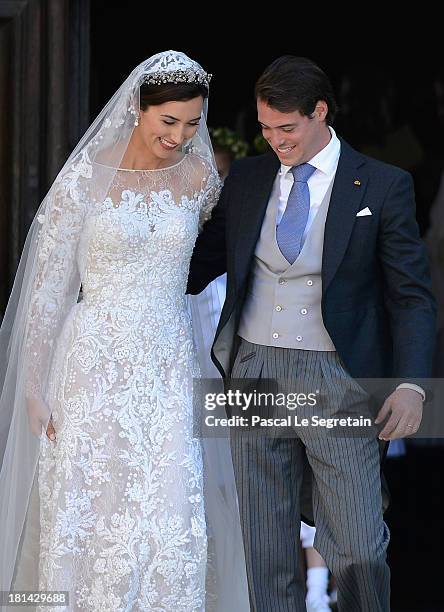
(283, 302)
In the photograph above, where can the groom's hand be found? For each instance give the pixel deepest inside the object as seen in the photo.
(405, 406)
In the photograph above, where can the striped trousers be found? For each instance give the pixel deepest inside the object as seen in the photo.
(351, 535)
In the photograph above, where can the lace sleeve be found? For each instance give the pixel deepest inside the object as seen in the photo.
(56, 283)
(212, 186)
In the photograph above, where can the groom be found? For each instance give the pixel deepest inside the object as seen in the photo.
(328, 279)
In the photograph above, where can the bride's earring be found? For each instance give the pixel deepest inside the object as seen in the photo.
(136, 122)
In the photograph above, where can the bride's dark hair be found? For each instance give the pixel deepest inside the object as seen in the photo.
(152, 95)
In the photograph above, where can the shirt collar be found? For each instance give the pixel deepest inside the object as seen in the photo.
(326, 160)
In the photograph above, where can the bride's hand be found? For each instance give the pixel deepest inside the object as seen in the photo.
(38, 413)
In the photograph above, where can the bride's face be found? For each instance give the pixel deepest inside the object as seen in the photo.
(164, 128)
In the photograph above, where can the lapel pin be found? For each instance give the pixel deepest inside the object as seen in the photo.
(357, 183)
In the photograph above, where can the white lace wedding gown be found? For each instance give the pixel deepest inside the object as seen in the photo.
(121, 500)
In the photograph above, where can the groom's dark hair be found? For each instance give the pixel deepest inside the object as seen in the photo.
(296, 84)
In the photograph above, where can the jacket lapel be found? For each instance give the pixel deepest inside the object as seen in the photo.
(348, 190)
(259, 184)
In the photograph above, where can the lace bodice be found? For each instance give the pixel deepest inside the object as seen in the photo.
(143, 233)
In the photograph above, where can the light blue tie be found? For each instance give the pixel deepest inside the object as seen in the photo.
(290, 230)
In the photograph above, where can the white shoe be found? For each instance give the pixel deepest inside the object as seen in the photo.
(318, 604)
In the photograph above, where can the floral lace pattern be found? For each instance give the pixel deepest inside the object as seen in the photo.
(121, 501)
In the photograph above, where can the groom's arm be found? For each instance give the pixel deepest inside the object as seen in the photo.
(209, 256)
(408, 295)
(411, 307)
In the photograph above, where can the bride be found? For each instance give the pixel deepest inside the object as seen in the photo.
(118, 504)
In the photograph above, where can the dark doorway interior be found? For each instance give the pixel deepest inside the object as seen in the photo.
(389, 96)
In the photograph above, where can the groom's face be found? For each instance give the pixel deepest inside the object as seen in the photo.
(295, 138)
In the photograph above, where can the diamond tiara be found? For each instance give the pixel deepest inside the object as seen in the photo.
(188, 75)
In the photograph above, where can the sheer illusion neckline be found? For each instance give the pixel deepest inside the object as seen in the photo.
(141, 169)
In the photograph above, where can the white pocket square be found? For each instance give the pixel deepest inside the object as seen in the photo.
(364, 212)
